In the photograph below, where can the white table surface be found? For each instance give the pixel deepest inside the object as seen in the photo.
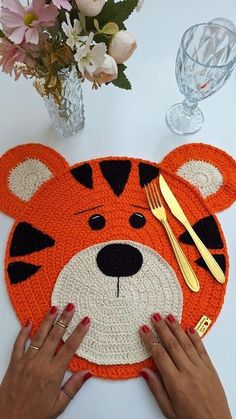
(132, 124)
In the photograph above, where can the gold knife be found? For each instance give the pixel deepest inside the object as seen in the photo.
(180, 215)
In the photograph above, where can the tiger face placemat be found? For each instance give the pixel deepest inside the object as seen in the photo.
(84, 234)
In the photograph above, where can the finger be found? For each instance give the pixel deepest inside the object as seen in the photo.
(183, 340)
(199, 346)
(20, 342)
(43, 331)
(159, 392)
(69, 390)
(170, 342)
(54, 337)
(71, 345)
(161, 358)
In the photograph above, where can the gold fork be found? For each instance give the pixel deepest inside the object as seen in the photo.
(158, 210)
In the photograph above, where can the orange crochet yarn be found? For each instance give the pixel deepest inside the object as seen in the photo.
(84, 234)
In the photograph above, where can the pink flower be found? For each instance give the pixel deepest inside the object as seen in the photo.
(9, 54)
(23, 22)
(64, 4)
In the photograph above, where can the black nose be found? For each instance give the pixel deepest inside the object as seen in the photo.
(119, 260)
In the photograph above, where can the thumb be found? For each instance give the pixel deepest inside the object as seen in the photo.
(158, 390)
(70, 389)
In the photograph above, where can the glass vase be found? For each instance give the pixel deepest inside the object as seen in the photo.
(68, 117)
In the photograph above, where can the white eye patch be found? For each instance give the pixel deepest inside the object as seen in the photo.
(203, 175)
(27, 177)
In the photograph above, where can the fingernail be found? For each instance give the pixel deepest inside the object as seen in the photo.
(145, 328)
(87, 376)
(156, 317)
(192, 330)
(53, 310)
(170, 318)
(144, 374)
(69, 307)
(85, 321)
(28, 323)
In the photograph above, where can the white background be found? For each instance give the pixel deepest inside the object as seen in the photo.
(132, 124)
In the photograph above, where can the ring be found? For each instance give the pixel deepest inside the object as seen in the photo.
(61, 324)
(155, 343)
(36, 348)
(70, 397)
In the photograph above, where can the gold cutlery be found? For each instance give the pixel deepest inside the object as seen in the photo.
(180, 215)
(159, 212)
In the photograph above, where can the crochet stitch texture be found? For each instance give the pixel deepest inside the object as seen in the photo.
(84, 234)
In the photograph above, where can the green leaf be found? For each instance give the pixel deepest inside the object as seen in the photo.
(122, 81)
(110, 28)
(116, 12)
(2, 34)
(96, 25)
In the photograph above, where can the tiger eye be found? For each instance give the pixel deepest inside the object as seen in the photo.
(137, 220)
(97, 222)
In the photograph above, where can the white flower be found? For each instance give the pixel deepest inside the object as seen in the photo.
(107, 72)
(88, 56)
(122, 46)
(90, 7)
(139, 5)
(72, 32)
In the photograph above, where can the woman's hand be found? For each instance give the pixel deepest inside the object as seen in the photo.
(31, 387)
(187, 385)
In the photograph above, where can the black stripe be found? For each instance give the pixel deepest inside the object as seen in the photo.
(20, 271)
(220, 259)
(83, 174)
(116, 173)
(27, 239)
(147, 173)
(208, 231)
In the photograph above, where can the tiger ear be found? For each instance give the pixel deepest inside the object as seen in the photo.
(208, 169)
(24, 169)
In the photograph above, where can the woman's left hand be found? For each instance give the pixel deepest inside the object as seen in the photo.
(31, 387)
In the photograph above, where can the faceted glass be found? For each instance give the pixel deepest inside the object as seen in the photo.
(204, 62)
(68, 117)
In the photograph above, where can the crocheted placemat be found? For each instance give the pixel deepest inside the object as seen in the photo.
(84, 234)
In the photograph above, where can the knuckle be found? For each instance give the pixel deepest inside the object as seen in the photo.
(54, 337)
(160, 326)
(159, 350)
(37, 339)
(201, 350)
(187, 346)
(172, 345)
(32, 369)
(70, 345)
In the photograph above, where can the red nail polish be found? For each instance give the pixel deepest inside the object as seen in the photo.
(170, 318)
(145, 328)
(192, 330)
(69, 307)
(156, 317)
(28, 323)
(53, 310)
(87, 376)
(85, 321)
(144, 375)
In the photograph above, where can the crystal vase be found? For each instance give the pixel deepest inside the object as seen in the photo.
(68, 117)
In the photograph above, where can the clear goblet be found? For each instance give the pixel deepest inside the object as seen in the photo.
(205, 60)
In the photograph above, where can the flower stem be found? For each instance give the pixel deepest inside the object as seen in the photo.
(82, 19)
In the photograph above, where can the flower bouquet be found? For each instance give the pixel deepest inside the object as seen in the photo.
(60, 42)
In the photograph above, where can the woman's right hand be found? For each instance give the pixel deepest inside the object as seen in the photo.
(31, 387)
